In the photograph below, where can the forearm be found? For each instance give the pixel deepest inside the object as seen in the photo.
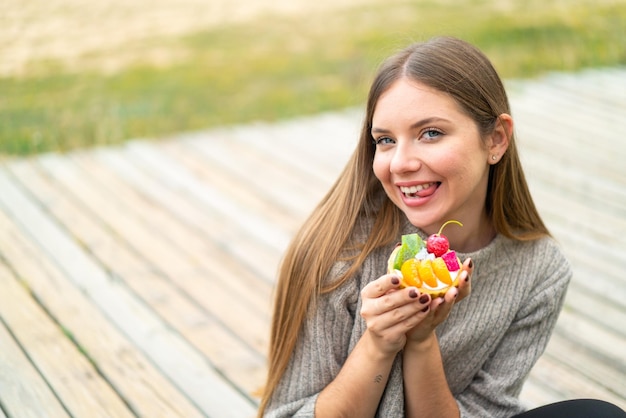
(426, 390)
(358, 388)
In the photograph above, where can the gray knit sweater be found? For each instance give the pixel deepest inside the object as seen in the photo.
(489, 342)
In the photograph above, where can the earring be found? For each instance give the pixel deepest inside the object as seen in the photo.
(494, 157)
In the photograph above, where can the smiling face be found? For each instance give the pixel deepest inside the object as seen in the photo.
(431, 159)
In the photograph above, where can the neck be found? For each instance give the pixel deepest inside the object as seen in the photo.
(472, 238)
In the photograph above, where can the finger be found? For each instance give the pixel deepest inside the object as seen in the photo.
(402, 317)
(393, 307)
(441, 307)
(391, 301)
(464, 283)
(451, 295)
(381, 286)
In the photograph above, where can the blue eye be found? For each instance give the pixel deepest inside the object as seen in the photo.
(383, 140)
(431, 133)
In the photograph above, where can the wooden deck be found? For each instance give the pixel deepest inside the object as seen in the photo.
(137, 280)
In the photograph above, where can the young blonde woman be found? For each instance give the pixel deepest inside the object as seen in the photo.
(437, 144)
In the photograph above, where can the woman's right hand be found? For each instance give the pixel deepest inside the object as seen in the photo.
(390, 312)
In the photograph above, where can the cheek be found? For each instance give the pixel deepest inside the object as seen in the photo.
(469, 177)
(380, 166)
(464, 161)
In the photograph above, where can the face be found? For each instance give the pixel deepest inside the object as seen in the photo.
(430, 157)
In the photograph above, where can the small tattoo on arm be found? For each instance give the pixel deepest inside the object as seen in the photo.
(378, 378)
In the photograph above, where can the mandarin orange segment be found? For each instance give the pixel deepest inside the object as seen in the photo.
(426, 273)
(410, 274)
(441, 270)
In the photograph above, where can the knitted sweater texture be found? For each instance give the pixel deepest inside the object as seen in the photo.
(489, 342)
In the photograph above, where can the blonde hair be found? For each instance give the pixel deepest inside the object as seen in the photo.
(449, 65)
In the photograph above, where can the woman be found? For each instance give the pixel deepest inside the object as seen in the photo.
(437, 144)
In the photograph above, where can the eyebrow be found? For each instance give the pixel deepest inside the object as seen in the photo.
(415, 125)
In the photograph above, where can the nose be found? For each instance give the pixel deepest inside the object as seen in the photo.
(405, 159)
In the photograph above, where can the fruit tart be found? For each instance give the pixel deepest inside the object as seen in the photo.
(429, 266)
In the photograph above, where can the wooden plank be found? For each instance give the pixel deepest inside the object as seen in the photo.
(571, 129)
(276, 154)
(580, 89)
(569, 384)
(195, 305)
(136, 380)
(316, 146)
(584, 332)
(77, 384)
(221, 288)
(185, 210)
(167, 170)
(537, 392)
(582, 186)
(296, 194)
(597, 308)
(193, 208)
(235, 189)
(182, 260)
(601, 84)
(326, 140)
(173, 355)
(25, 392)
(589, 245)
(196, 245)
(583, 361)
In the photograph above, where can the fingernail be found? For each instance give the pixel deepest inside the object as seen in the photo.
(413, 293)
(426, 309)
(471, 263)
(395, 281)
(424, 298)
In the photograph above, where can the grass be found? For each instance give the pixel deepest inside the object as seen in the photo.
(275, 68)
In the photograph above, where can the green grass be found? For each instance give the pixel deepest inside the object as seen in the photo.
(275, 68)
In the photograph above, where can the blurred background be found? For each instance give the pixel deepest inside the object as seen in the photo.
(141, 276)
(77, 73)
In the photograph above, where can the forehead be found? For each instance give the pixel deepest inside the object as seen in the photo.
(411, 99)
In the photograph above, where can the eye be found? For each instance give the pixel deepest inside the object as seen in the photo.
(384, 140)
(431, 133)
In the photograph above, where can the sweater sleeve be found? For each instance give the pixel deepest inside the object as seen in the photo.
(320, 352)
(494, 390)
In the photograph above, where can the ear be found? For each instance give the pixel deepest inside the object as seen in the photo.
(499, 139)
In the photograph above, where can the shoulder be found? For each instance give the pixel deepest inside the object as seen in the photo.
(546, 245)
(526, 266)
(540, 263)
(542, 253)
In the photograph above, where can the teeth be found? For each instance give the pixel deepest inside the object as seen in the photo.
(415, 189)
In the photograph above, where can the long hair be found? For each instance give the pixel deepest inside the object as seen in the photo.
(446, 64)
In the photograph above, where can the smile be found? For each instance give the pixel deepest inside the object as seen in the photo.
(413, 191)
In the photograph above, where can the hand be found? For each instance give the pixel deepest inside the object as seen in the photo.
(390, 312)
(439, 308)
